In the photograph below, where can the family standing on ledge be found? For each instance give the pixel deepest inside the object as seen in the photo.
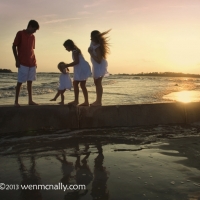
(23, 50)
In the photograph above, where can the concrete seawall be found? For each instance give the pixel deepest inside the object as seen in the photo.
(24, 118)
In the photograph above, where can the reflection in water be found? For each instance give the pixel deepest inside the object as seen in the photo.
(83, 174)
(67, 168)
(140, 155)
(29, 177)
(99, 185)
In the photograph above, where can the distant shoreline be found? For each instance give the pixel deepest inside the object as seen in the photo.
(155, 74)
(164, 74)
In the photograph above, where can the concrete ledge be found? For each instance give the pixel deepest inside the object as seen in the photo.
(24, 118)
(132, 115)
(192, 111)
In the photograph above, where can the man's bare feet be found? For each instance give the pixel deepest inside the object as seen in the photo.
(84, 104)
(16, 104)
(74, 103)
(96, 104)
(61, 103)
(53, 99)
(32, 103)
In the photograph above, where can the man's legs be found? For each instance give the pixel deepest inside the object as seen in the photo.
(29, 88)
(31, 77)
(17, 90)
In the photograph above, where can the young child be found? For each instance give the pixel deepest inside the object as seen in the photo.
(23, 50)
(64, 82)
(82, 71)
(98, 51)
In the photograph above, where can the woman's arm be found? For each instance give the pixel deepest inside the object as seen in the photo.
(76, 59)
(64, 70)
(97, 57)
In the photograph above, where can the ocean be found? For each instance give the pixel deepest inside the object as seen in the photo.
(118, 89)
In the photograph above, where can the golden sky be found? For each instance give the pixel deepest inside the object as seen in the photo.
(146, 35)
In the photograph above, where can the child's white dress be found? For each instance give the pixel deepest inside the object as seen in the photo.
(98, 70)
(65, 82)
(82, 70)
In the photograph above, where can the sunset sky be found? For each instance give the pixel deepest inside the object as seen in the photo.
(146, 35)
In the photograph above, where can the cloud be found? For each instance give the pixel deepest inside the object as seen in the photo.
(60, 20)
(84, 13)
(91, 5)
(97, 3)
(115, 11)
(60, 32)
(48, 16)
(159, 7)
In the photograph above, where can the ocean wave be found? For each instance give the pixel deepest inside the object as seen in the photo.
(7, 94)
(54, 82)
(136, 77)
(8, 88)
(108, 82)
(24, 92)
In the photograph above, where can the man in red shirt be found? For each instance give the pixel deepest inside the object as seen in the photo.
(23, 50)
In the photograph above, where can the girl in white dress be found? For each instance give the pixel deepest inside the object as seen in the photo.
(65, 83)
(98, 51)
(82, 71)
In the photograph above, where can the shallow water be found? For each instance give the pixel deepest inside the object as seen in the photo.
(118, 89)
(184, 96)
(160, 162)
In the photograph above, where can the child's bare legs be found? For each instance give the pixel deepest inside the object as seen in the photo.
(99, 92)
(76, 93)
(60, 92)
(57, 95)
(17, 90)
(85, 93)
(62, 97)
(29, 88)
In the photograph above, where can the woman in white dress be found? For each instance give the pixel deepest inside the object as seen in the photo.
(82, 71)
(65, 83)
(98, 51)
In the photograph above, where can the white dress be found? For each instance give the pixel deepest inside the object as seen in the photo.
(82, 70)
(98, 69)
(65, 82)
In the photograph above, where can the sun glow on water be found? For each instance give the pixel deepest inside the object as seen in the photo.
(184, 96)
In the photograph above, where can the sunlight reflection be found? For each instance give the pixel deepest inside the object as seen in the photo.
(184, 96)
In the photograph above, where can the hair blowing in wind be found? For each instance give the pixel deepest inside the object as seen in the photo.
(102, 39)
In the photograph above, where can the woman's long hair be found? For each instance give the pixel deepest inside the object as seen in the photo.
(101, 39)
(71, 45)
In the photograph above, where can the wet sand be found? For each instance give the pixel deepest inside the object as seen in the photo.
(154, 162)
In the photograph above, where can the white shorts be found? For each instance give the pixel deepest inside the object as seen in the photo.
(26, 74)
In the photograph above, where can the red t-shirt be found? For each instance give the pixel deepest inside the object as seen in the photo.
(25, 44)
